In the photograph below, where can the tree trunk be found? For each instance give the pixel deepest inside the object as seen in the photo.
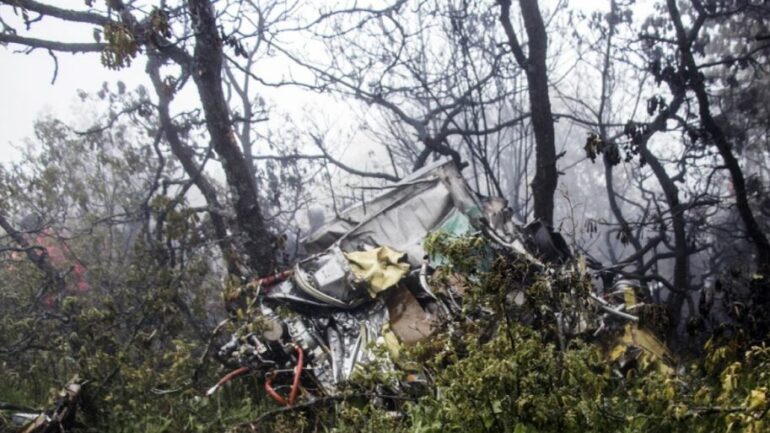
(715, 133)
(258, 242)
(186, 157)
(607, 159)
(681, 281)
(534, 65)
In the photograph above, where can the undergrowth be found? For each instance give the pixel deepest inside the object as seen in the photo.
(519, 379)
(494, 369)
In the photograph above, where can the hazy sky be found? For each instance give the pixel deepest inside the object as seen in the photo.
(27, 92)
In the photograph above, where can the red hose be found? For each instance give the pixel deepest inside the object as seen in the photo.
(297, 374)
(271, 392)
(294, 385)
(232, 375)
(228, 377)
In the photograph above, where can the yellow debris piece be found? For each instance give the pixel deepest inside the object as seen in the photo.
(629, 297)
(654, 352)
(391, 342)
(380, 267)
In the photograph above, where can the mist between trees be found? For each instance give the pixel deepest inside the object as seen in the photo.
(637, 130)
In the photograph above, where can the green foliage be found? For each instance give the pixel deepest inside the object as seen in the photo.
(135, 340)
(518, 380)
(137, 332)
(464, 254)
(122, 47)
(136, 344)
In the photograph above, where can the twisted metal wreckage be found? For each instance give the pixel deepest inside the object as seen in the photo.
(368, 284)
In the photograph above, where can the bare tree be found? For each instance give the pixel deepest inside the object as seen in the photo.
(129, 29)
(536, 69)
(432, 103)
(685, 38)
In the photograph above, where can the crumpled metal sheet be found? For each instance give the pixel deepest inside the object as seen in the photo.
(641, 345)
(636, 343)
(346, 298)
(339, 293)
(358, 333)
(403, 216)
(328, 278)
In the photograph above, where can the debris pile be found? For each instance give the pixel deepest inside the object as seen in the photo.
(369, 285)
(400, 271)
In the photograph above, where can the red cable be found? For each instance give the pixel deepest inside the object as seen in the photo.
(295, 383)
(232, 375)
(271, 392)
(297, 374)
(228, 377)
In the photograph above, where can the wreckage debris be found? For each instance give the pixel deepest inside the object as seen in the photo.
(367, 285)
(59, 419)
(369, 290)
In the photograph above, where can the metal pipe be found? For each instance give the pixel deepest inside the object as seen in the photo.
(424, 279)
(605, 306)
(295, 382)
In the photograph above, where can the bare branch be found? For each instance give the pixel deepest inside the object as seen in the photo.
(513, 41)
(65, 47)
(36, 255)
(319, 142)
(63, 14)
